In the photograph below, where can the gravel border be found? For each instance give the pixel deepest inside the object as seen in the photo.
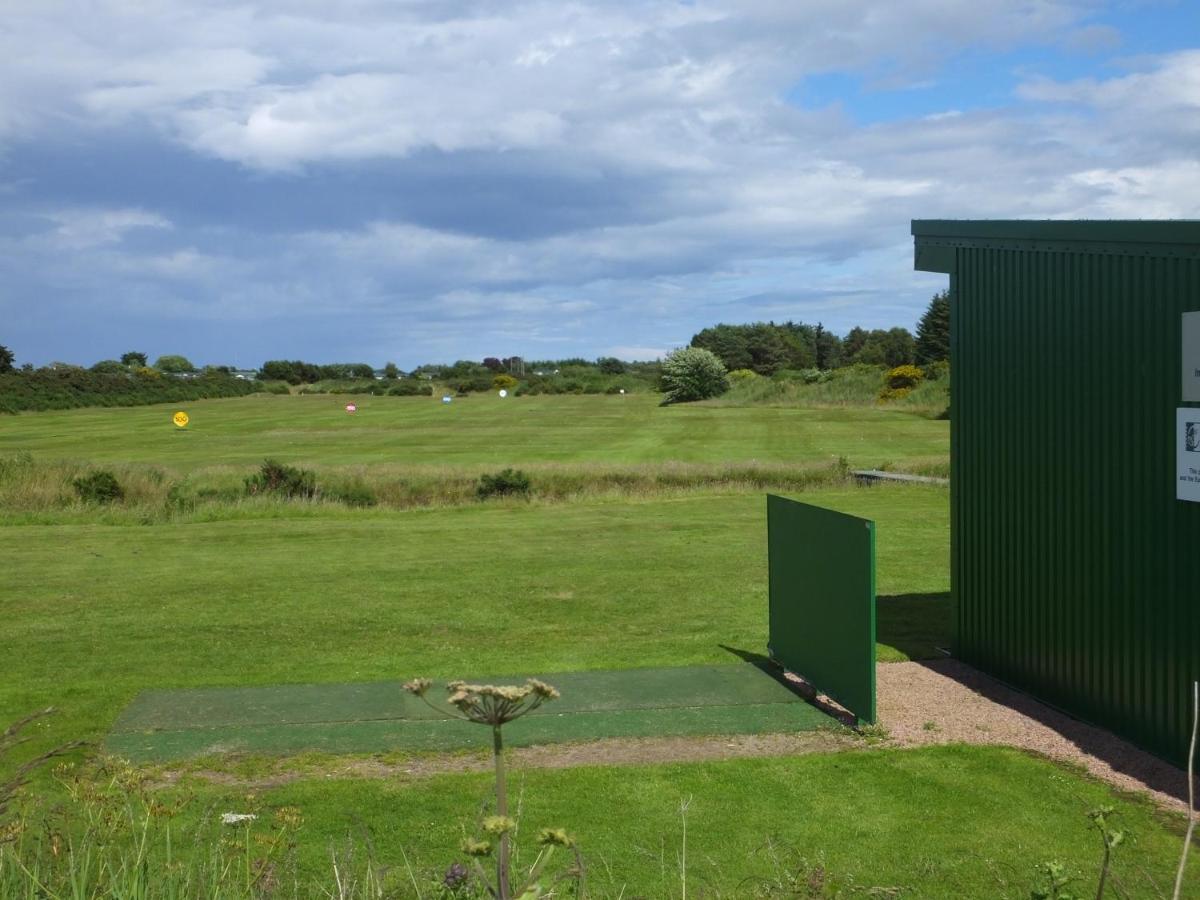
(945, 701)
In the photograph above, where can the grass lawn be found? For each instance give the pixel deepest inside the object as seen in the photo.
(315, 430)
(95, 613)
(951, 821)
(944, 822)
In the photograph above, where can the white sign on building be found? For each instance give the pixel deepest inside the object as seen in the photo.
(1191, 357)
(1187, 454)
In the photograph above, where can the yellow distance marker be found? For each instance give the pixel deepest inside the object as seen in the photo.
(180, 418)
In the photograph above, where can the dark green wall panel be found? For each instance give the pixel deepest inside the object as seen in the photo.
(822, 600)
(1076, 572)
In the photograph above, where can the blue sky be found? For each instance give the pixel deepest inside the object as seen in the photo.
(423, 181)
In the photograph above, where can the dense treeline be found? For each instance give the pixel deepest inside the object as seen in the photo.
(295, 371)
(761, 348)
(769, 347)
(68, 387)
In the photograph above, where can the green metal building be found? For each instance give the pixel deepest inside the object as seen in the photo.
(1075, 449)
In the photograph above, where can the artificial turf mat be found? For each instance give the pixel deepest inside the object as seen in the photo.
(381, 716)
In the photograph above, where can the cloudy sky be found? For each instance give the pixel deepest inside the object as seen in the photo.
(417, 181)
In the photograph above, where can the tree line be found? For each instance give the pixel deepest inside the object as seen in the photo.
(767, 347)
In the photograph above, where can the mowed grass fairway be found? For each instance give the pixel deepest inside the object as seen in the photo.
(475, 431)
(97, 607)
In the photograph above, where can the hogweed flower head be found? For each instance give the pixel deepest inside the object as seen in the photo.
(418, 686)
(555, 837)
(477, 848)
(498, 825)
(489, 704)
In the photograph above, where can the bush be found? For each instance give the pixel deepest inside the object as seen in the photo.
(98, 487)
(503, 483)
(936, 371)
(71, 388)
(356, 493)
(887, 393)
(904, 377)
(286, 481)
(738, 375)
(410, 387)
(504, 382)
(693, 373)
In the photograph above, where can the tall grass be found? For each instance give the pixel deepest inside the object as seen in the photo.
(42, 491)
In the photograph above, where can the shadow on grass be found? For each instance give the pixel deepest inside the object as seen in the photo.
(912, 626)
(797, 685)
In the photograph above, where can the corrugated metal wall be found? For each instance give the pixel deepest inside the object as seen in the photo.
(1076, 572)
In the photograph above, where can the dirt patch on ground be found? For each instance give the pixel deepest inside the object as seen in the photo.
(924, 703)
(945, 701)
(609, 752)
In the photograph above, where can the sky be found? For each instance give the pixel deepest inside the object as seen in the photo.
(418, 181)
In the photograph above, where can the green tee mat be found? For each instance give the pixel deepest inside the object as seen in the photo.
(382, 716)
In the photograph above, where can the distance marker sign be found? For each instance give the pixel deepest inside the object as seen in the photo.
(180, 419)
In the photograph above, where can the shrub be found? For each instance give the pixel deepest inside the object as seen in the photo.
(504, 382)
(277, 387)
(410, 387)
(738, 375)
(904, 377)
(503, 483)
(936, 371)
(356, 493)
(100, 486)
(287, 481)
(693, 373)
(887, 393)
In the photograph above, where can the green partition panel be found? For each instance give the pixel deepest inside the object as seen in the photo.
(822, 600)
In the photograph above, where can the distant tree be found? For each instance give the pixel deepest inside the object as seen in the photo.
(174, 365)
(891, 348)
(390, 372)
(729, 342)
(610, 365)
(852, 343)
(801, 343)
(493, 363)
(693, 373)
(108, 367)
(933, 331)
(827, 348)
(133, 359)
(6, 359)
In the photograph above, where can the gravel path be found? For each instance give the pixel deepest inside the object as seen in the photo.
(944, 701)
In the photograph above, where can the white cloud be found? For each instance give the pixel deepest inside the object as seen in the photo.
(564, 171)
(81, 228)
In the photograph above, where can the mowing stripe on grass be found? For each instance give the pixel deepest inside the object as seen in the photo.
(373, 717)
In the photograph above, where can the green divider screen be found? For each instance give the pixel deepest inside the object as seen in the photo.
(822, 600)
